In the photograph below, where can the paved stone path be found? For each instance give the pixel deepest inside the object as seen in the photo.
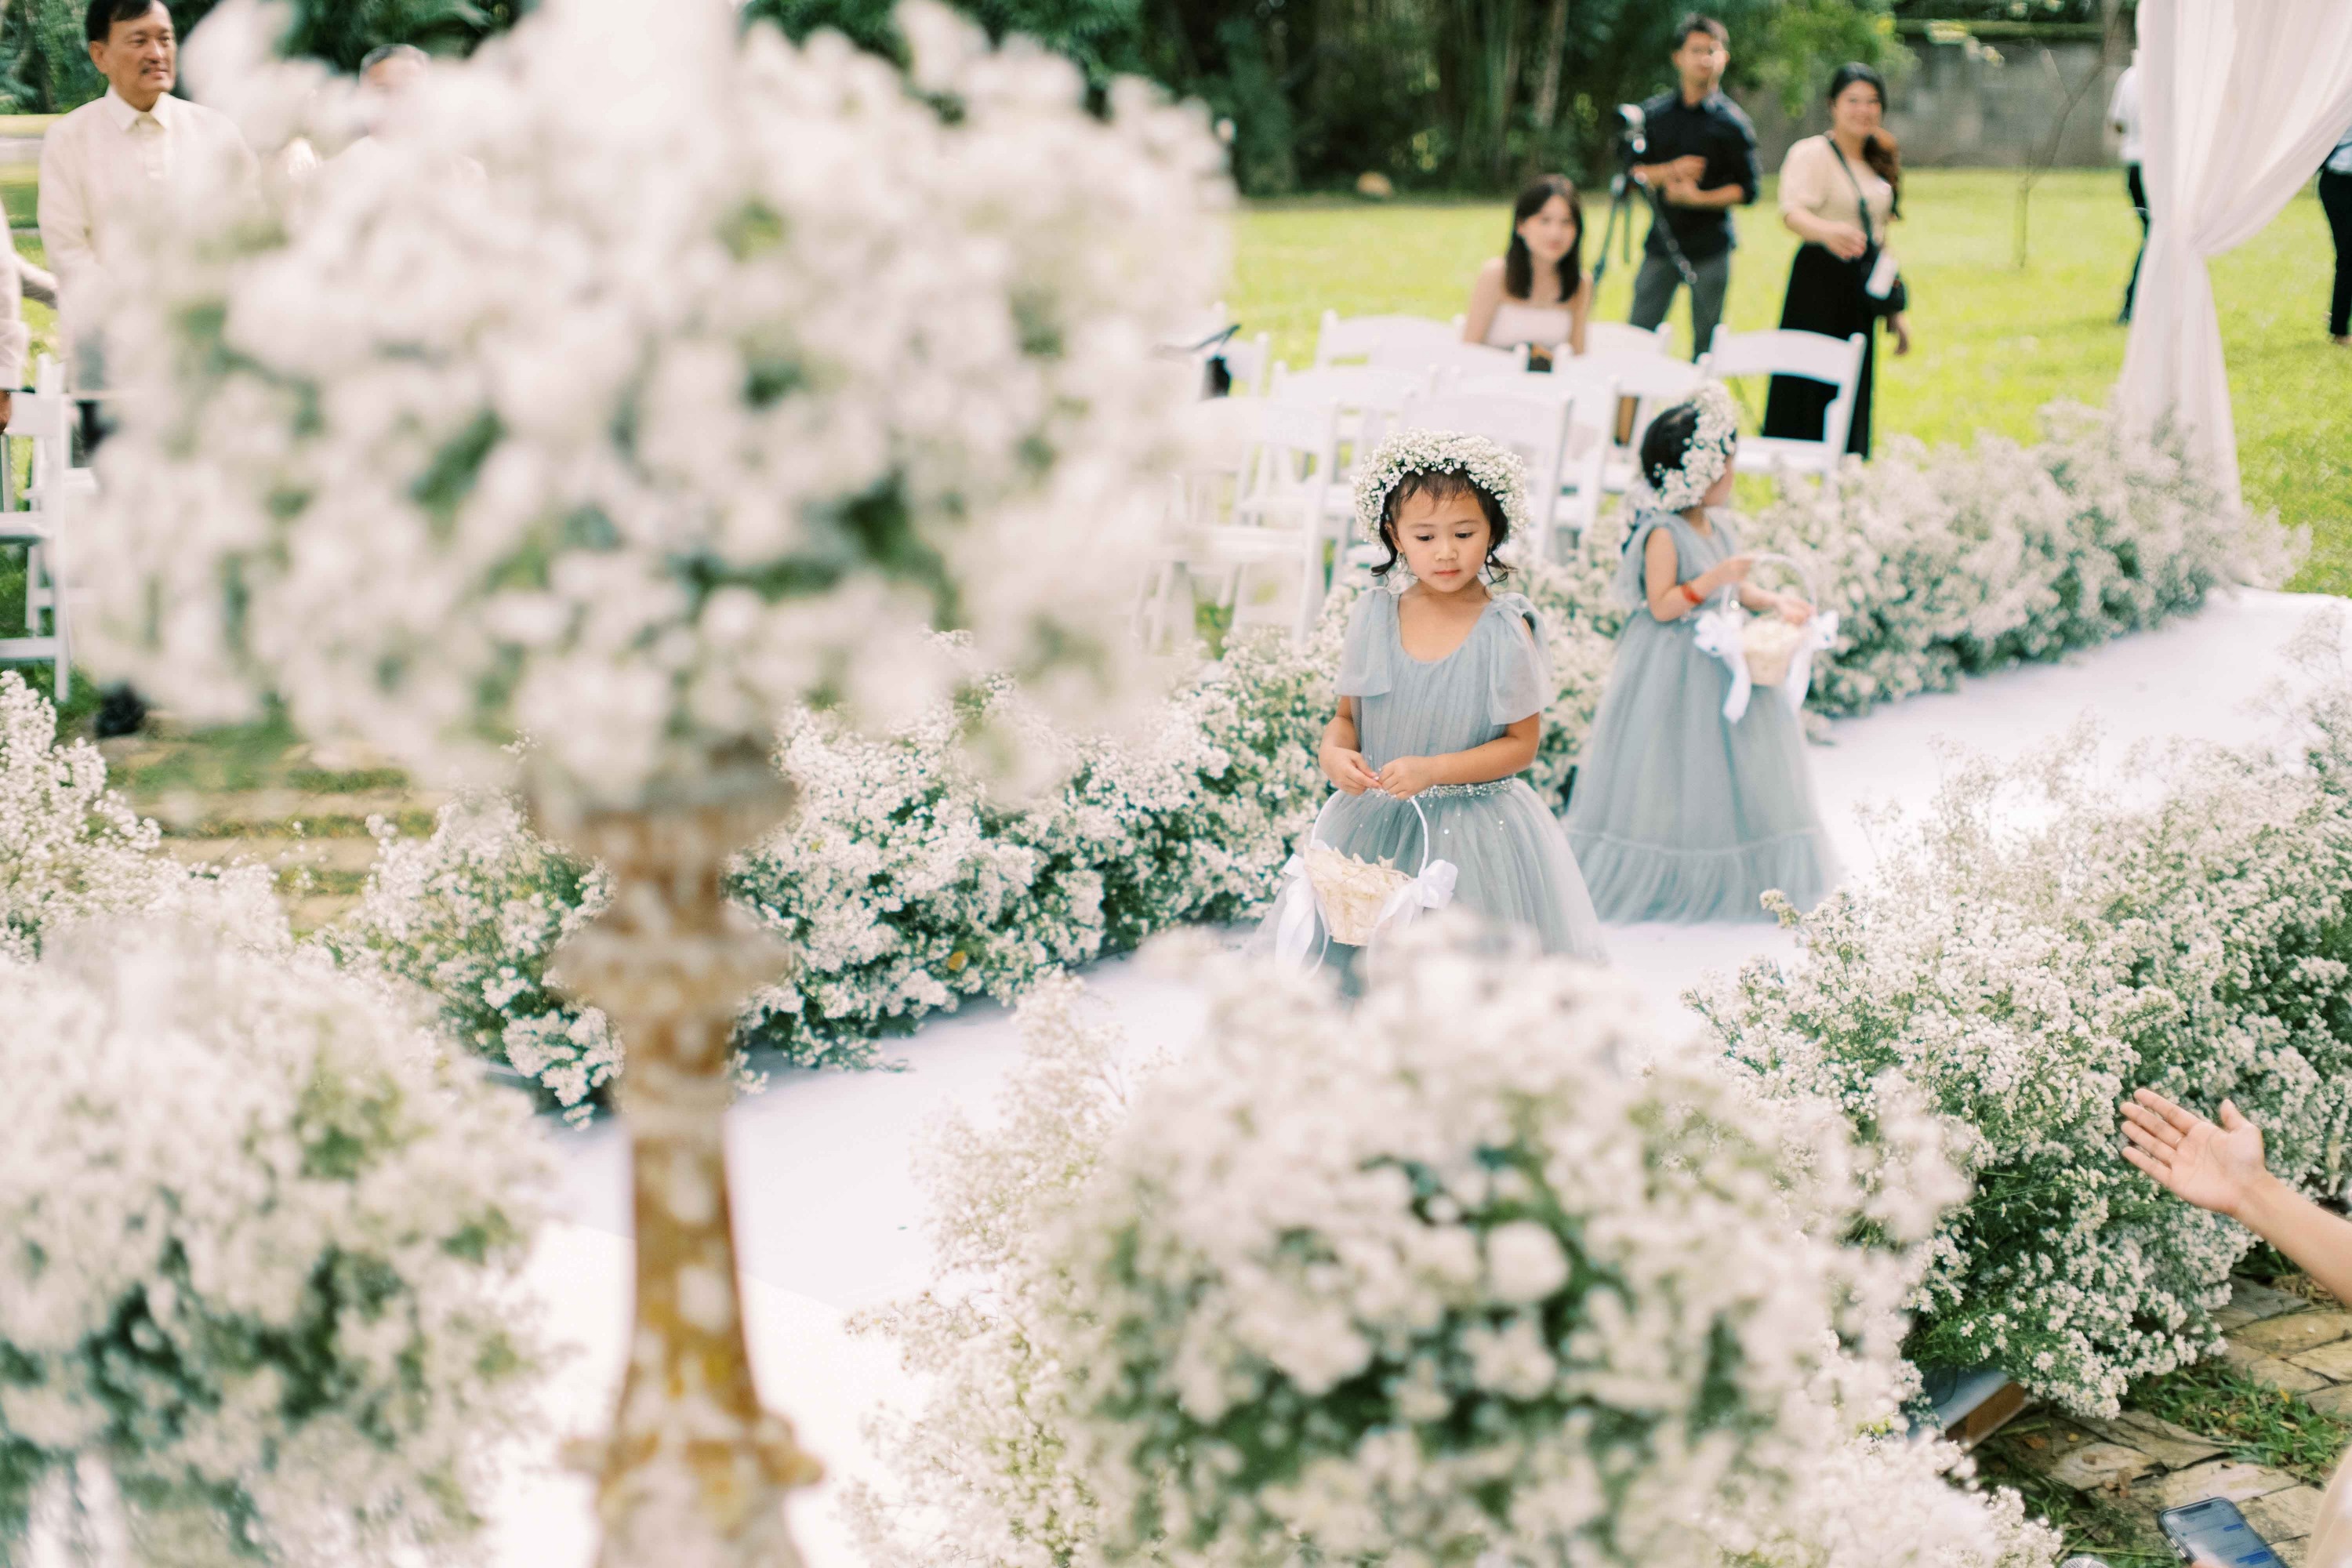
(2142, 1464)
(299, 821)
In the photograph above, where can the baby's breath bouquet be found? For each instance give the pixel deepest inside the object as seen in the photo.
(1479, 1266)
(264, 1243)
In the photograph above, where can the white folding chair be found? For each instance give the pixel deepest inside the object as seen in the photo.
(1362, 337)
(45, 416)
(1367, 399)
(1452, 359)
(1620, 337)
(1811, 356)
(1202, 485)
(1652, 381)
(1249, 361)
(1282, 515)
(1588, 404)
(1534, 428)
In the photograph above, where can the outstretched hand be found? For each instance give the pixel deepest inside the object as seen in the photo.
(2216, 1166)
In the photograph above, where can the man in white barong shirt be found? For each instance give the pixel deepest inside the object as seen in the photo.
(106, 160)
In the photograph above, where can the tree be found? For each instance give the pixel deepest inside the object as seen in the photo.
(44, 65)
(1100, 35)
(45, 57)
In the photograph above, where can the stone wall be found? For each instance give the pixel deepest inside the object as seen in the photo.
(1999, 108)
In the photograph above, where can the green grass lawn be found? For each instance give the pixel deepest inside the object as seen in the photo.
(1992, 343)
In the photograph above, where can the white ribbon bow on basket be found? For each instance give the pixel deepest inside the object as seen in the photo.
(1353, 900)
(1764, 650)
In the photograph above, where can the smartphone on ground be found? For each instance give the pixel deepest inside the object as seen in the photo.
(2216, 1531)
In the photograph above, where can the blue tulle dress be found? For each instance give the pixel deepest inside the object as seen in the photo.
(1678, 815)
(1513, 862)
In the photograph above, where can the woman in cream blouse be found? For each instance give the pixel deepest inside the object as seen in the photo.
(1536, 292)
(1839, 194)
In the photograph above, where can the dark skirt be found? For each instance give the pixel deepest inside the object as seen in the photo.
(1825, 295)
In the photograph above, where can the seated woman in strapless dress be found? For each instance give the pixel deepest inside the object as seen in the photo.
(1536, 292)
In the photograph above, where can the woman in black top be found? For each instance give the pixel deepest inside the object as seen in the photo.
(1839, 192)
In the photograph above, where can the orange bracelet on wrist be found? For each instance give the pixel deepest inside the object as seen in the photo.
(1691, 594)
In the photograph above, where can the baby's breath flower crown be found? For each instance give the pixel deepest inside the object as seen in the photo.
(1494, 468)
(1709, 452)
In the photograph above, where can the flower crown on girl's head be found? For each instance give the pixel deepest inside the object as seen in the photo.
(1708, 453)
(1492, 468)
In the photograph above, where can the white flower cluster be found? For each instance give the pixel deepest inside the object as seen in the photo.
(71, 849)
(735, 368)
(1494, 468)
(904, 884)
(2048, 939)
(1713, 439)
(474, 914)
(1469, 1269)
(1957, 561)
(263, 1243)
(1889, 1501)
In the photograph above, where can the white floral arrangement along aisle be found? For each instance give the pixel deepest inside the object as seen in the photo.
(1479, 1270)
(656, 379)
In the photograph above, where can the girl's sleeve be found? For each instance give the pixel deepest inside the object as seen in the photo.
(1364, 668)
(1632, 586)
(1519, 680)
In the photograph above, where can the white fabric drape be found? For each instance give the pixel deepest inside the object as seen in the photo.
(2240, 101)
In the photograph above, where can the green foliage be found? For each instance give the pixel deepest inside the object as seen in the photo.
(1433, 94)
(44, 63)
(2260, 1424)
(341, 32)
(1100, 35)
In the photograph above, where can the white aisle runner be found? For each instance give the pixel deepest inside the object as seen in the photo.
(829, 1214)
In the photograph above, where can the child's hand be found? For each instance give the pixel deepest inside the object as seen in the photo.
(1348, 771)
(1408, 776)
(1730, 569)
(1793, 610)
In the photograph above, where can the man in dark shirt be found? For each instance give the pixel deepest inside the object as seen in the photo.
(1702, 163)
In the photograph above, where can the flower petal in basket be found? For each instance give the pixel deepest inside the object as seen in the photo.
(1352, 891)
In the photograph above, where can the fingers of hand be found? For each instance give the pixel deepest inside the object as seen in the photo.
(2148, 1127)
(2181, 1120)
(2153, 1167)
(2148, 1139)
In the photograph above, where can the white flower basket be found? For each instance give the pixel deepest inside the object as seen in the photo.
(1353, 899)
(1765, 650)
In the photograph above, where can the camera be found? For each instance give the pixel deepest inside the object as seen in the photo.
(1632, 131)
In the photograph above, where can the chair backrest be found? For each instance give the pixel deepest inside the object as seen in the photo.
(1248, 361)
(1451, 358)
(1297, 443)
(1620, 337)
(1588, 397)
(1356, 386)
(1651, 378)
(1810, 356)
(1536, 428)
(1362, 337)
(1813, 356)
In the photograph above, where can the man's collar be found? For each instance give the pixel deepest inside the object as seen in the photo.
(119, 110)
(1709, 96)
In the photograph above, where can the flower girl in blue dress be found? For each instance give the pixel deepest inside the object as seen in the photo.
(1442, 684)
(1678, 813)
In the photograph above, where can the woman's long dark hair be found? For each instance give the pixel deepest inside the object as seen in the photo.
(1519, 262)
(1878, 150)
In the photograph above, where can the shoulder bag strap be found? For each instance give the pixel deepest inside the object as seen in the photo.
(1861, 202)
